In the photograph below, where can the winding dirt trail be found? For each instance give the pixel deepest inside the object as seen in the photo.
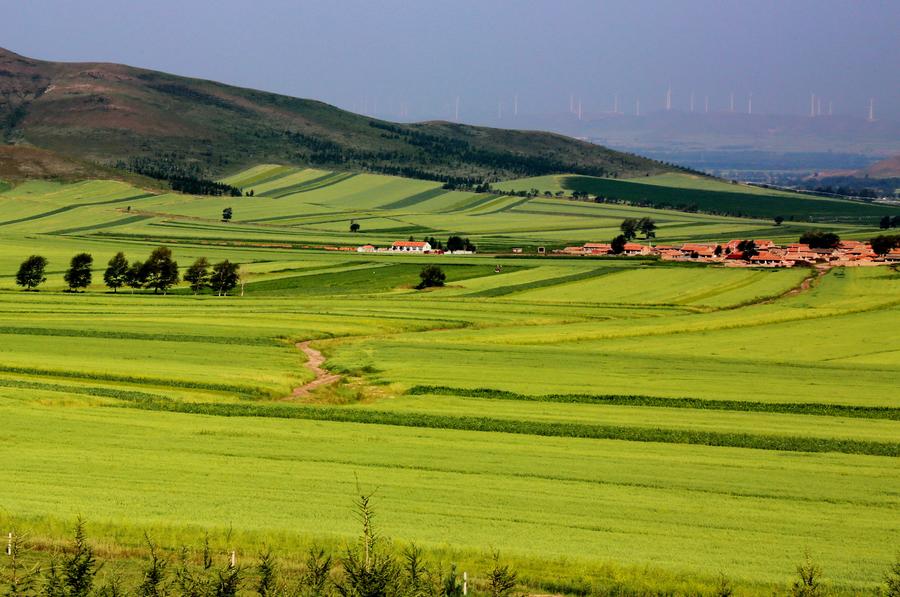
(314, 360)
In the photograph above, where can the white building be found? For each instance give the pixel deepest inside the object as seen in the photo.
(410, 246)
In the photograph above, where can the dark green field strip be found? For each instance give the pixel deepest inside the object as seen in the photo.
(113, 224)
(802, 408)
(66, 208)
(127, 395)
(545, 429)
(504, 290)
(120, 335)
(236, 390)
(414, 199)
(308, 185)
(732, 203)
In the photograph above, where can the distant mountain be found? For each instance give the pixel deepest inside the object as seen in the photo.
(889, 168)
(725, 131)
(110, 112)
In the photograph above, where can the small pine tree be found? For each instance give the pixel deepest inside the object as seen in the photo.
(80, 566)
(417, 581)
(19, 579)
(809, 583)
(369, 571)
(154, 572)
(267, 573)
(502, 579)
(54, 583)
(116, 274)
(723, 587)
(315, 578)
(451, 585)
(892, 580)
(227, 213)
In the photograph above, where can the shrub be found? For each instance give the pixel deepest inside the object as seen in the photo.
(431, 276)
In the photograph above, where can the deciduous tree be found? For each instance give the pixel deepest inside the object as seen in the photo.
(161, 270)
(224, 277)
(197, 275)
(78, 276)
(31, 272)
(629, 228)
(116, 274)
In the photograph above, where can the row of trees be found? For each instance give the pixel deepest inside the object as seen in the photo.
(365, 568)
(159, 272)
(889, 222)
(631, 226)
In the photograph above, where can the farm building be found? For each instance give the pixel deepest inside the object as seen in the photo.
(365, 249)
(410, 246)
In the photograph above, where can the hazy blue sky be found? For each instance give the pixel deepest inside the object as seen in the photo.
(424, 54)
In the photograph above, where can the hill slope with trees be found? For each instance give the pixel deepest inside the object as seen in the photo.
(110, 112)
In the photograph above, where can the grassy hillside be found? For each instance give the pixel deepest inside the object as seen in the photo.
(687, 192)
(109, 112)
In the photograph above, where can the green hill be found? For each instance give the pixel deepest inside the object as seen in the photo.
(110, 112)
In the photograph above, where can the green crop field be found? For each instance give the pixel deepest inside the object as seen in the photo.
(688, 192)
(608, 425)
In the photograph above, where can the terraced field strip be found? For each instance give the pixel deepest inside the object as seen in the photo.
(66, 208)
(309, 185)
(537, 428)
(794, 408)
(416, 199)
(263, 176)
(111, 224)
(513, 288)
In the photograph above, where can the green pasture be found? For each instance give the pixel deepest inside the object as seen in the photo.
(592, 418)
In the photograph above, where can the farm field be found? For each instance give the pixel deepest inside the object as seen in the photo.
(604, 423)
(675, 190)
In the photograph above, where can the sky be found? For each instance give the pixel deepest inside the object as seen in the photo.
(396, 58)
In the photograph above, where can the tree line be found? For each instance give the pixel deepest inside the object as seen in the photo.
(182, 176)
(367, 567)
(159, 272)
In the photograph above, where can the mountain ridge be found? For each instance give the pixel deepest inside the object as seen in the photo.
(107, 112)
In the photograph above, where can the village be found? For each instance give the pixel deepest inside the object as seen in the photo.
(749, 253)
(735, 253)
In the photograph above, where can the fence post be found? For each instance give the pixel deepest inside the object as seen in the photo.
(9, 544)
(233, 559)
(465, 583)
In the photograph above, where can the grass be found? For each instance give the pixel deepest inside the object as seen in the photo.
(608, 424)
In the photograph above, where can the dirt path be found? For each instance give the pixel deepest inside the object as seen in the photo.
(807, 282)
(313, 363)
